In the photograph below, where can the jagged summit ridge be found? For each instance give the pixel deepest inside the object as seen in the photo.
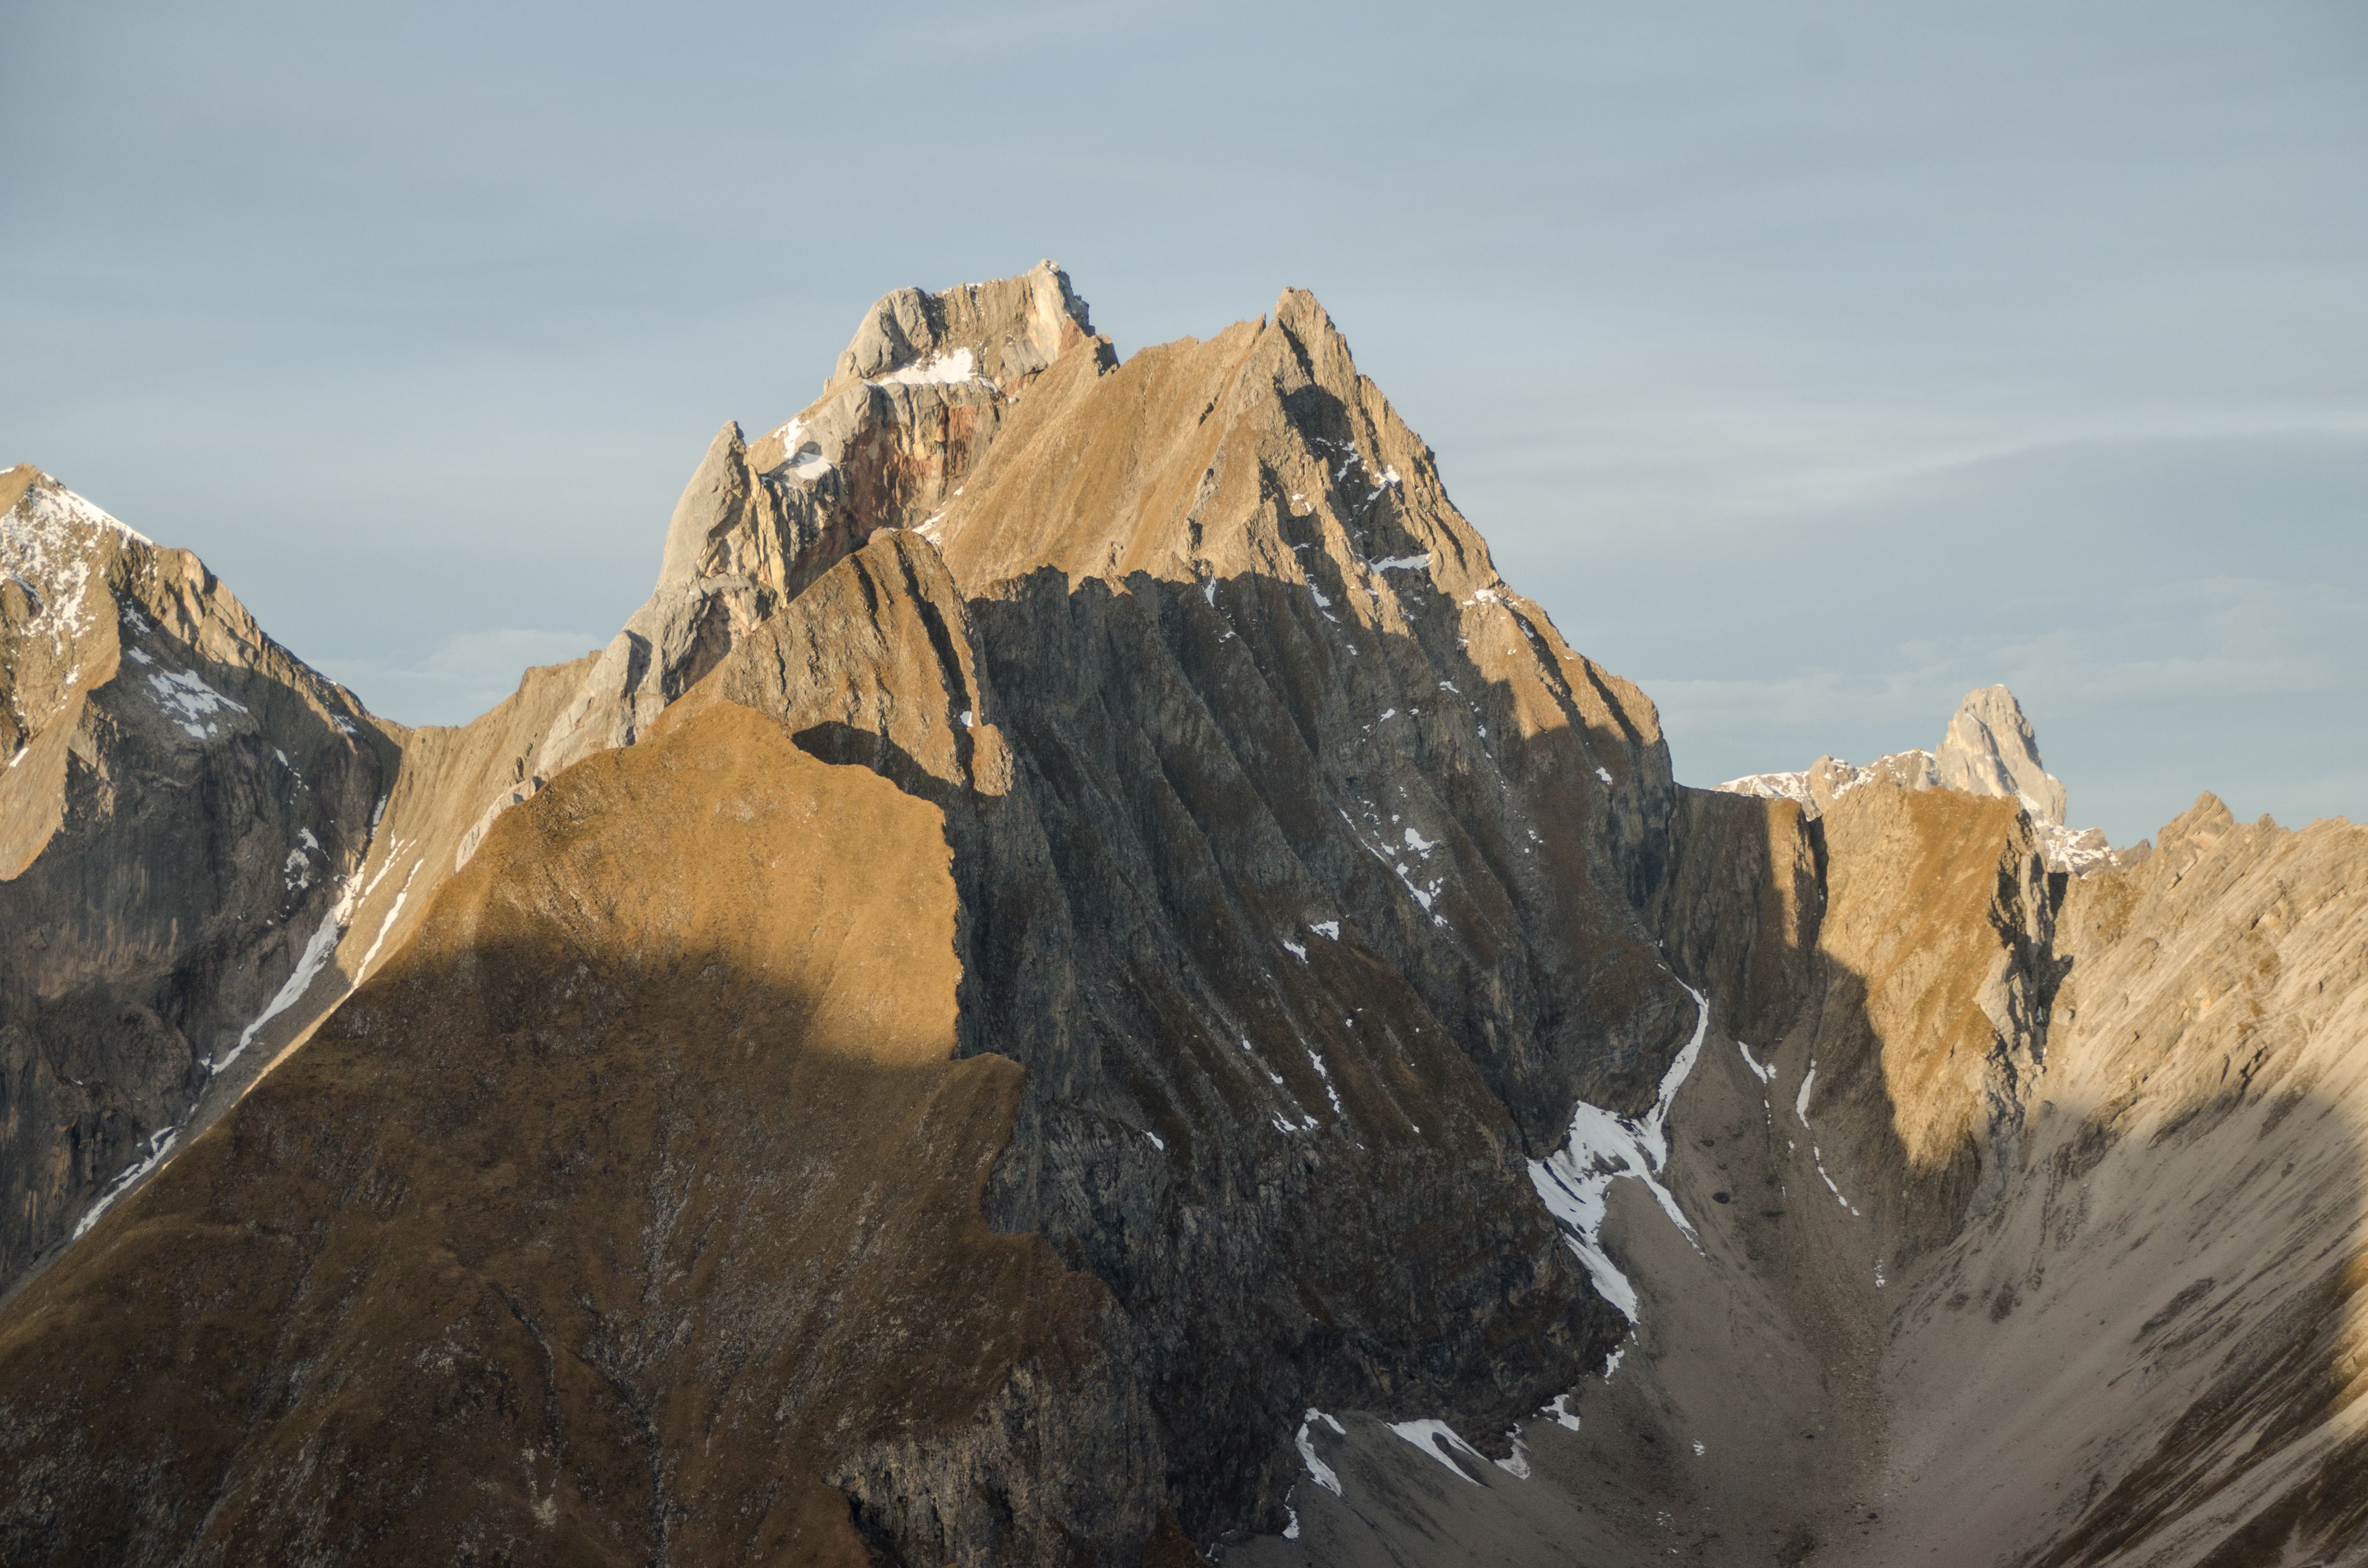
(1989, 749)
(915, 400)
(1002, 331)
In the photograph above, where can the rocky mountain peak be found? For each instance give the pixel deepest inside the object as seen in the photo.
(1084, 982)
(56, 552)
(916, 401)
(1990, 750)
(1004, 331)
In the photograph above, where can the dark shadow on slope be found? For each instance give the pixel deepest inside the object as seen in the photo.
(1297, 1158)
(2247, 1465)
(631, 1215)
(1185, 759)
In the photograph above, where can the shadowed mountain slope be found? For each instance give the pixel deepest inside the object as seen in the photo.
(1084, 982)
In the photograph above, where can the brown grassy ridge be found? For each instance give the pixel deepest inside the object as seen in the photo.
(632, 1203)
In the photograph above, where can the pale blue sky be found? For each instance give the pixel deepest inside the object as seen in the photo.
(1811, 363)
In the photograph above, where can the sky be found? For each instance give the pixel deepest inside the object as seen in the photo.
(1812, 364)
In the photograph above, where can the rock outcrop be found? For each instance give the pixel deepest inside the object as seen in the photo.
(913, 406)
(1989, 750)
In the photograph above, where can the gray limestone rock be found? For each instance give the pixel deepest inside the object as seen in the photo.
(1989, 750)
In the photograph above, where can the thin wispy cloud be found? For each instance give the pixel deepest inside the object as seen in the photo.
(1809, 363)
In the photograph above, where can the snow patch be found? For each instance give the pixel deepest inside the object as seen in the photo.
(804, 457)
(937, 370)
(1603, 1147)
(1294, 950)
(1773, 785)
(1318, 1470)
(1818, 1159)
(1327, 929)
(1438, 1439)
(309, 964)
(1322, 1071)
(388, 923)
(48, 541)
(160, 1143)
(1765, 1072)
(188, 701)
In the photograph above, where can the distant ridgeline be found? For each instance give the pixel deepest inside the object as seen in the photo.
(1989, 750)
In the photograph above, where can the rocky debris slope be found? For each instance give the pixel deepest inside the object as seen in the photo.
(182, 814)
(2016, 1218)
(1989, 749)
(2149, 1349)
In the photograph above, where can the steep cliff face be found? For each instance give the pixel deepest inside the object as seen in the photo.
(182, 810)
(1084, 982)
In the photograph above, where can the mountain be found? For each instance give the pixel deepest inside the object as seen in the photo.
(1989, 749)
(183, 811)
(1086, 982)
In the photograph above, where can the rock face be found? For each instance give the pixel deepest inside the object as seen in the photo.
(1086, 982)
(911, 408)
(183, 810)
(1989, 750)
